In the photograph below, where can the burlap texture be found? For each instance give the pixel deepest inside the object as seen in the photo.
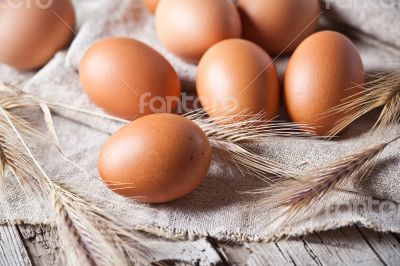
(216, 208)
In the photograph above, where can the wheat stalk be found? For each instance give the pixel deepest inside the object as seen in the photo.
(101, 238)
(13, 156)
(77, 230)
(246, 127)
(89, 236)
(296, 197)
(383, 91)
(227, 134)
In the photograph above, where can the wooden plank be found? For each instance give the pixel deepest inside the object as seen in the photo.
(340, 247)
(386, 246)
(273, 254)
(12, 250)
(235, 254)
(199, 252)
(344, 247)
(321, 252)
(348, 246)
(41, 243)
(297, 252)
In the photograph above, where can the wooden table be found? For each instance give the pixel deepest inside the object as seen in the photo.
(36, 245)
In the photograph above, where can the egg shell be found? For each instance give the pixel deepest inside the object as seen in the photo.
(123, 76)
(236, 76)
(31, 32)
(278, 26)
(189, 27)
(325, 69)
(157, 158)
(151, 5)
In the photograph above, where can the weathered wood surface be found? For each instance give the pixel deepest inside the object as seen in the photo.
(37, 245)
(12, 249)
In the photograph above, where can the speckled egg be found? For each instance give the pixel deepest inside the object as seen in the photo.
(156, 158)
(324, 70)
(31, 32)
(238, 77)
(128, 78)
(189, 27)
(279, 26)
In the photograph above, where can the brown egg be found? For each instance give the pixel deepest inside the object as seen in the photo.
(151, 5)
(157, 158)
(189, 27)
(237, 76)
(31, 32)
(128, 78)
(324, 69)
(278, 26)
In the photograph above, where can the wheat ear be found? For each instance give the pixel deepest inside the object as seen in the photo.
(227, 135)
(296, 197)
(383, 91)
(89, 236)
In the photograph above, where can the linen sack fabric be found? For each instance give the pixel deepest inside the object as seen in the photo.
(373, 23)
(217, 208)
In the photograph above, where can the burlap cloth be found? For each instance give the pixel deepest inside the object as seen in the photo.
(216, 208)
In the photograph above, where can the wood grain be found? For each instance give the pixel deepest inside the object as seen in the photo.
(272, 254)
(12, 249)
(386, 246)
(348, 246)
(199, 252)
(342, 247)
(41, 244)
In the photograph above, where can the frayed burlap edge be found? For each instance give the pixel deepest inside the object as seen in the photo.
(239, 238)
